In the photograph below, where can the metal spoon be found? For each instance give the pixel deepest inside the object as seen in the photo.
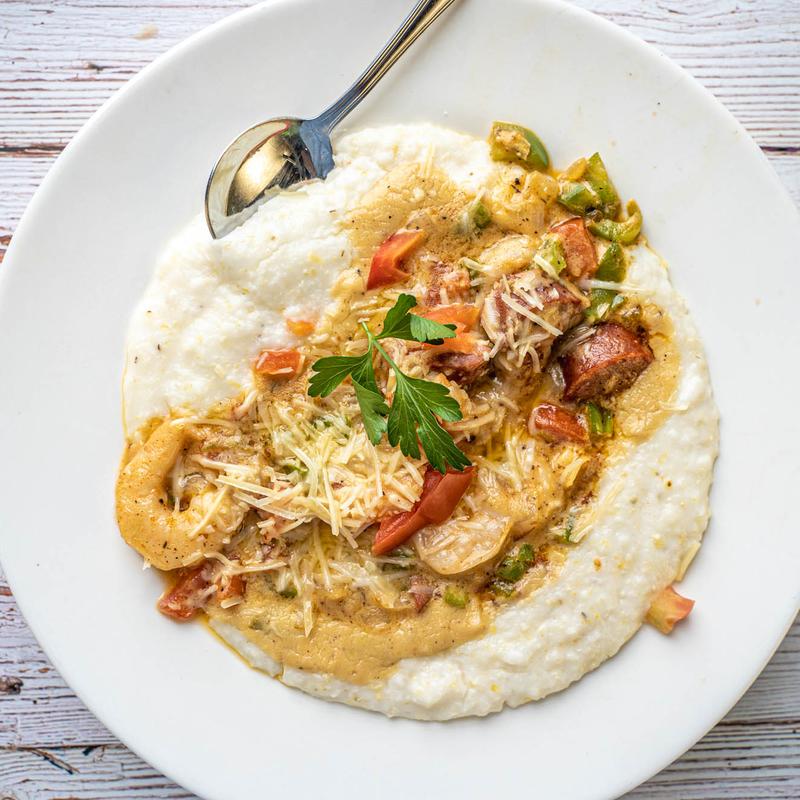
(279, 153)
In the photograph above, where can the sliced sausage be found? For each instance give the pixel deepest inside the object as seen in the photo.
(421, 592)
(605, 363)
(511, 308)
(579, 249)
(464, 368)
(557, 424)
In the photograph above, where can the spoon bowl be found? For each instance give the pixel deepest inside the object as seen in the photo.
(261, 162)
(283, 152)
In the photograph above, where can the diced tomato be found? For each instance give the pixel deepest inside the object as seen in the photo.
(300, 327)
(233, 587)
(394, 530)
(667, 609)
(462, 342)
(579, 249)
(193, 589)
(279, 363)
(385, 267)
(557, 424)
(463, 317)
(467, 315)
(440, 495)
(188, 594)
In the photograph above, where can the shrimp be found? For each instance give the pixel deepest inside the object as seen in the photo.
(170, 538)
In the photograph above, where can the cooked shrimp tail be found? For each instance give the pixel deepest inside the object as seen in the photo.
(171, 537)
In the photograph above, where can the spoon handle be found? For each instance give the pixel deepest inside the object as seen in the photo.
(424, 13)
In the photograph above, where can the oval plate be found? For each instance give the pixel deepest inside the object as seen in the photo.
(86, 248)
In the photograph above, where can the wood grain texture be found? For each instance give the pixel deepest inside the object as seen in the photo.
(62, 58)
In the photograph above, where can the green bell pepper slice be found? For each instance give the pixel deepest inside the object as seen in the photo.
(625, 232)
(610, 268)
(510, 142)
(552, 251)
(578, 197)
(597, 177)
(455, 597)
(600, 421)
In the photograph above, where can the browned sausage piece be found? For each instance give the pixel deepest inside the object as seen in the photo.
(464, 368)
(605, 363)
(557, 424)
(505, 326)
(421, 592)
(578, 247)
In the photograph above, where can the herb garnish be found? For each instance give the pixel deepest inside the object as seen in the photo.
(412, 418)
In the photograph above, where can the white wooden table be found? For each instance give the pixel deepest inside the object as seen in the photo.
(60, 59)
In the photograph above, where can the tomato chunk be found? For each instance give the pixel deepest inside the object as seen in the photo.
(279, 363)
(188, 594)
(231, 588)
(440, 495)
(579, 252)
(300, 327)
(463, 317)
(557, 424)
(456, 313)
(385, 267)
(195, 587)
(667, 609)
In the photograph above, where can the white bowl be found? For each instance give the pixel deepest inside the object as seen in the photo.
(85, 250)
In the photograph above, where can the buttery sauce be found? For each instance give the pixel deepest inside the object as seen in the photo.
(351, 641)
(641, 409)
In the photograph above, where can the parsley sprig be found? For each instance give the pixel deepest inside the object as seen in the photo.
(411, 420)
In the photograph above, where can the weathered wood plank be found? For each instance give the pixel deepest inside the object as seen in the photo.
(722, 767)
(745, 52)
(81, 773)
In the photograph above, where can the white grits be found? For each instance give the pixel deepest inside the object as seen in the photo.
(214, 305)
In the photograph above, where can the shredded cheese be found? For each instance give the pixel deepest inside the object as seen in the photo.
(526, 312)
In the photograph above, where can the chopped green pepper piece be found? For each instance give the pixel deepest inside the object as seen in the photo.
(501, 587)
(290, 592)
(513, 567)
(603, 302)
(625, 232)
(569, 528)
(612, 264)
(475, 217)
(455, 597)
(597, 177)
(300, 469)
(600, 421)
(552, 251)
(510, 142)
(480, 215)
(578, 197)
(398, 555)
(610, 268)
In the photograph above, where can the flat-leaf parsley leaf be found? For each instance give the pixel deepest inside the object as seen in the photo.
(412, 418)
